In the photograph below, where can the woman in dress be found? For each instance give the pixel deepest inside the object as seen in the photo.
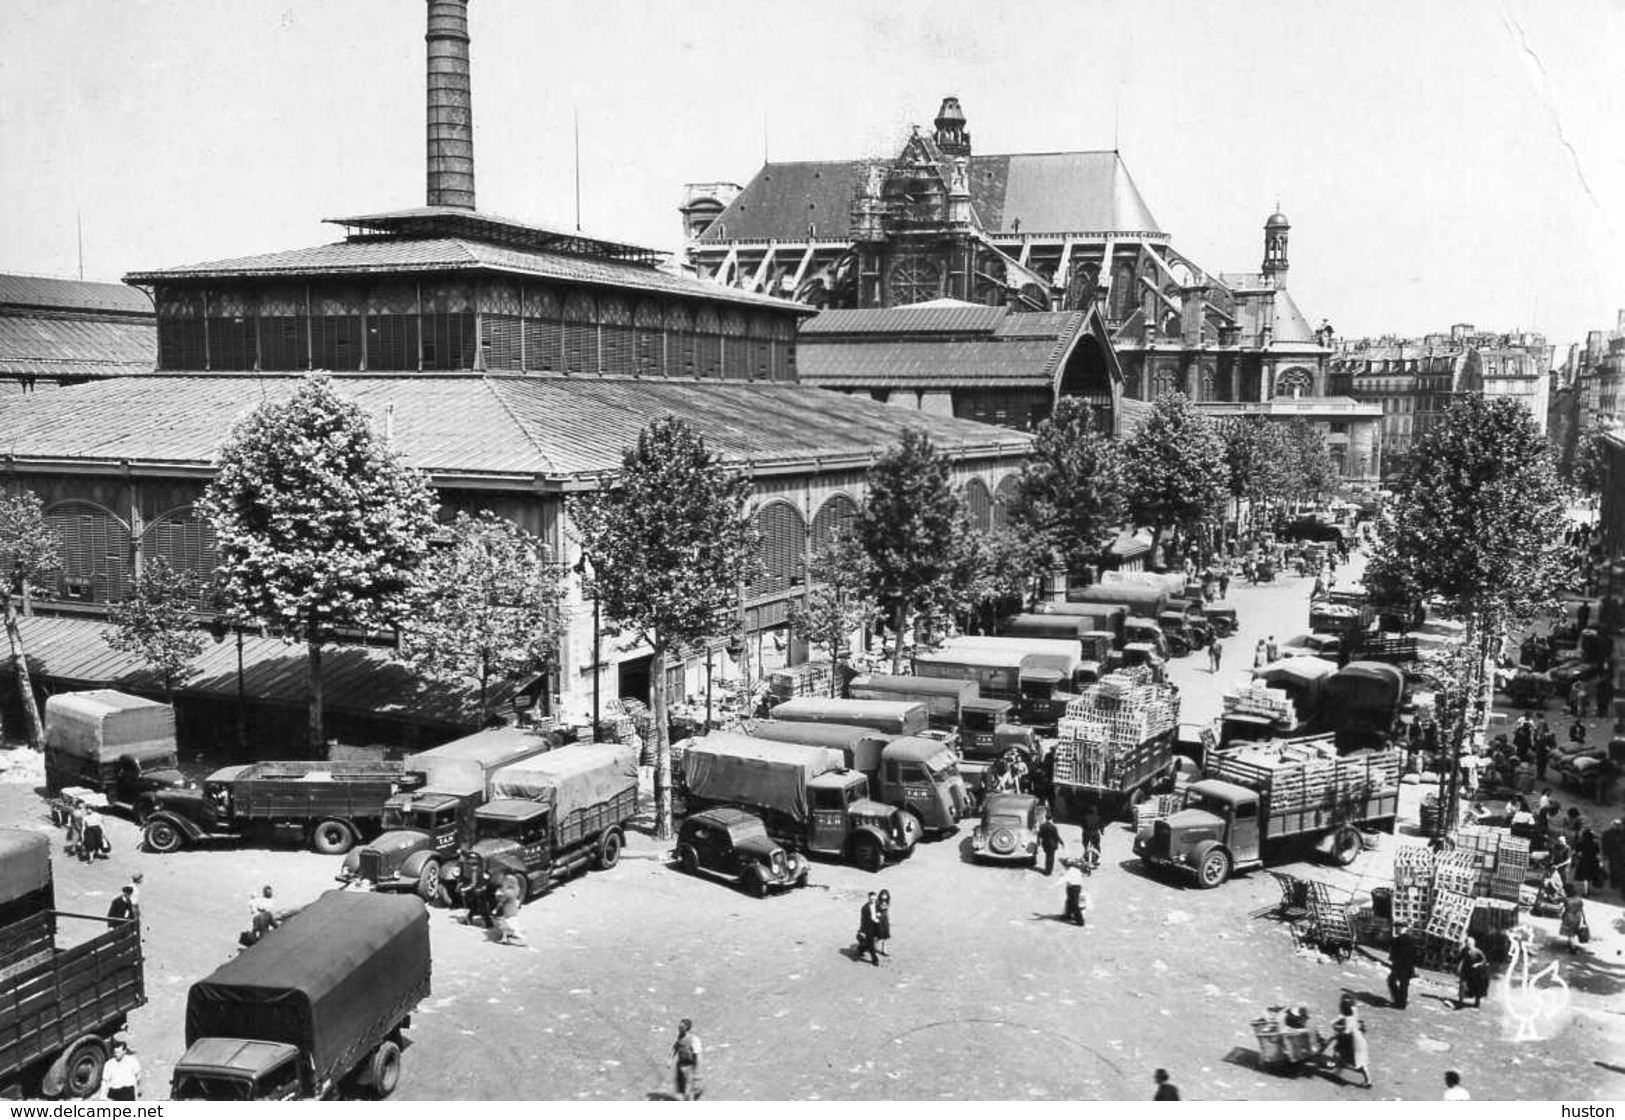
(883, 922)
(1474, 974)
(1348, 1042)
(1587, 861)
(1573, 920)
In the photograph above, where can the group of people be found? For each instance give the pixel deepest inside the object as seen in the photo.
(874, 927)
(87, 838)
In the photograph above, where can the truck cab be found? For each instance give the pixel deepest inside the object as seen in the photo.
(1176, 627)
(421, 831)
(241, 1069)
(512, 840)
(1195, 619)
(979, 722)
(846, 823)
(1138, 630)
(1217, 832)
(922, 776)
(1044, 696)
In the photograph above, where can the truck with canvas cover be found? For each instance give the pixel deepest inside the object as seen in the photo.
(1173, 583)
(318, 1003)
(942, 698)
(432, 817)
(1116, 742)
(62, 998)
(1362, 702)
(549, 816)
(1303, 679)
(805, 795)
(1195, 618)
(1101, 616)
(1259, 798)
(893, 717)
(331, 806)
(1147, 602)
(118, 745)
(918, 775)
(1039, 674)
(986, 731)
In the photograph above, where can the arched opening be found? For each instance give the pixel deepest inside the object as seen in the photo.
(1004, 496)
(1294, 382)
(837, 515)
(95, 552)
(782, 546)
(979, 504)
(1088, 374)
(186, 541)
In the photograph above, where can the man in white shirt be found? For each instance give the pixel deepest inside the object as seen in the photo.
(1075, 903)
(121, 1076)
(1453, 1090)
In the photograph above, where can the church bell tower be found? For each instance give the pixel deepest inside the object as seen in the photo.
(1275, 231)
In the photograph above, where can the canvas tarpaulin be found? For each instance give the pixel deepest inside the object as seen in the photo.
(25, 863)
(570, 778)
(725, 766)
(463, 764)
(105, 725)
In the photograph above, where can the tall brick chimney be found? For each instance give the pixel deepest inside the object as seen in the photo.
(451, 107)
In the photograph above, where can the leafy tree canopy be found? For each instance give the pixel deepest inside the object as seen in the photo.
(1175, 466)
(29, 551)
(1069, 495)
(158, 622)
(837, 602)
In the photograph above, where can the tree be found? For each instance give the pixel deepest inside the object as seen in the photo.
(1256, 460)
(1475, 525)
(157, 622)
(670, 545)
(1310, 470)
(29, 551)
(485, 609)
(319, 523)
(1587, 468)
(910, 526)
(1175, 468)
(1069, 495)
(837, 600)
(996, 567)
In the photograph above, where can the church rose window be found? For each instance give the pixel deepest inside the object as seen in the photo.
(914, 280)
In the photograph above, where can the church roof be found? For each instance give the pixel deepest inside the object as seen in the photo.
(1046, 192)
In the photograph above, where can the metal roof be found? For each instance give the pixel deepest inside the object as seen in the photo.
(420, 221)
(356, 680)
(370, 256)
(1049, 192)
(60, 345)
(54, 294)
(527, 427)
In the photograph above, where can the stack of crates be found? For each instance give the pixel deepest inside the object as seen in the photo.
(1258, 698)
(1413, 886)
(1511, 868)
(808, 679)
(1451, 917)
(1458, 872)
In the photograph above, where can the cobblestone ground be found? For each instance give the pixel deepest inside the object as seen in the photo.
(986, 994)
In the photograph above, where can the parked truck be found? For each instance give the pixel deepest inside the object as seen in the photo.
(1259, 798)
(943, 699)
(806, 796)
(1101, 616)
(316, 1005)
(920, 776)
(118, 745)
(432, 817)
(1039, 674)
(1147, 602)
(1116, 743)
(1173, 583)
(331, 806)
(1362, 702)
(60, 1004)
(550, 816)
(892, 717)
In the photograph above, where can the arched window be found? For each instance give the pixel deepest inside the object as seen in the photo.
(979, 504)
(186, 542)
(95, 552)
(838, 514)
(1164, 379)
(1123, 293)
(1295, 382)
(1004, 495)
(782, 546)
(1210, 384)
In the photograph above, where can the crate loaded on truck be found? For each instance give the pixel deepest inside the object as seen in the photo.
(1116, 742)
(331, 806)
(60, 1003)
(1258, 796)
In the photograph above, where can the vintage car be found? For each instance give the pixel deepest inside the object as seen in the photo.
(1009, 828)
(1327, 647)
(735, 843)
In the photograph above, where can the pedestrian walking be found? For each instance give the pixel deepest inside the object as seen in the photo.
(1612, 842)
(121, 1073)
(867, 926)
(1260, 655)
(93, 844)
(1215, 654)
(510, 900)
(1588, 862)
(1224, 584)
(121, 909)
(883, 922)
(1523, 735)
(1577, 699)
(1473, 975)
(1453, 1088)
(1074, 892)
(136, 879)
(1319, 588)
(1090, 828)
(685, 1061)
(76, 828)
(1572, 926)
(1166, 1089)
(1348, 1042)
(1573, 825)
(1401, 966)
(1049, 839)
(1271, 650)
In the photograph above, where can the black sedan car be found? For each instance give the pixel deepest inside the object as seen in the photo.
(734, 843)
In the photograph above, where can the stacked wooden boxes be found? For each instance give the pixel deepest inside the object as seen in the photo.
(1258, 698)
(1511, 868)
(808, 679)
(1117, 713)
(1413, 886)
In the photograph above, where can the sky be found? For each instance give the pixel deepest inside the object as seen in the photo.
(1440, 163)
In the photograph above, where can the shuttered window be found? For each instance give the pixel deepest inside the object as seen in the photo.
(979, 503)
(231, 342)
(679, 332)
(180, 344)
(186, 542)
(837, 515)
(335, 342)
(282, 344)
(95, 553)
(781, 545)
(615, 336)
(648, 350)
(580, 334)
(392, 342)
(448, 340)
(1003, 496)
(501, 341)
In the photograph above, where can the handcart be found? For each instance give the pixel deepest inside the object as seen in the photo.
(1288, 1051)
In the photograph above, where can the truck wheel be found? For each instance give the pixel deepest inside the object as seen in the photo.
(609, 849)
(429, 882)
(1345, 846)
(688, 859)
(1213, 869)
(385, 1069)
(82, 1072)
(162, 837)
(331, 838)
(868, 854)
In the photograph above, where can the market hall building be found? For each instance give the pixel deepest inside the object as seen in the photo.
(511, 362)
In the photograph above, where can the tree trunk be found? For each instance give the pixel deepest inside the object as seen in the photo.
(898, 618)
(317, 740)
(657, 701)
(25, 683)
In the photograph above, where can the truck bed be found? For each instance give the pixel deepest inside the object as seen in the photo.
(284, 799)
(590, 820)
(1315, 793)
(50, 997)
(1111, 768)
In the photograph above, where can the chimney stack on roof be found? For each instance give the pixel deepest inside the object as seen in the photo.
(451, 107)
